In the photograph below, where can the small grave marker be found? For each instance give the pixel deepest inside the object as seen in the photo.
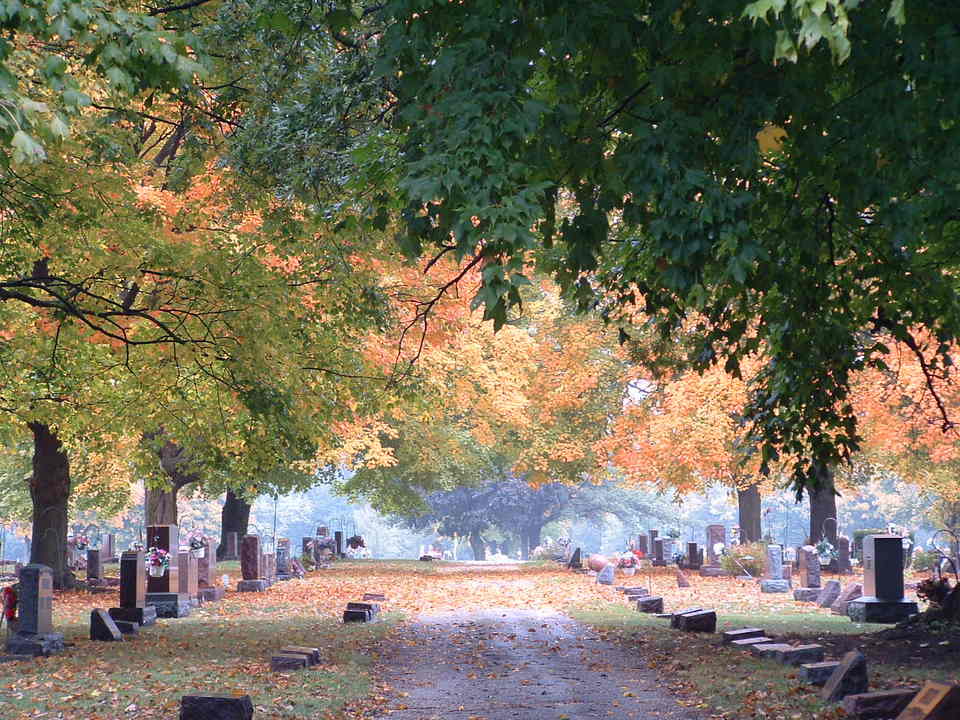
(700, 621)
(817, 673)
(741, 634)
(102, 627)
(221, 707)
(935, 701)
(849, 678)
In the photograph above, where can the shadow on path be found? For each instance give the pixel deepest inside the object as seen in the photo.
(505, 664)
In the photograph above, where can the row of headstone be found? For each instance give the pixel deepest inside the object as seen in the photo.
(260, 570)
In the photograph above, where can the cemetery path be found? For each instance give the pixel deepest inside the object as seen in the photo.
(505, 664)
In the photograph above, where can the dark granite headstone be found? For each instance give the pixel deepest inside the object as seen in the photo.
(94, 565)
(34, 635)
(650, 604)
(642, 544)
(251, 558)
(102, 627)
(741, 634)
(164, 592)
(849, 678)
(216, 707)
(693, 556)
(338, 539)
(575, 560)
(133, 588)
(817, 673)
(165, 537)
(285, 662)
(715, 534)
(232, 552)
(658, 560)
(283, 558)
(883, 600)
(699, 621)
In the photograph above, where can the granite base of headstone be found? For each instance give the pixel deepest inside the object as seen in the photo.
(848, 678)
(650, 604)
(773, 585)
(829, 593)
(879, 704)
(312, 654)
(748, 643)
(169, 604)
(806, 594)
(103, 628)
(799, 654)
(712, 571)
(817, 673)
(851, 592)
(259, 585)
(741, 634)
(872, 610)
(35, 635)
(146, 615)
(216, 707)
(214, 593)
(699, 621)
(288, 662)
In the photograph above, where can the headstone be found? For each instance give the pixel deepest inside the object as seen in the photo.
(774, 582)
(748, 643)
(233, 546)
(575, 562)
(844, 566)
(809, 567)
(805, 594)
(768, 649)
(133, 587)
(653, 536)
(658, 560)
(740, 634)
(650, 604)
(675, 617)
(699, 621)
(338, 538)
(935, 701)
(209, 590)
(788, 571)
(251, 565)
(849, 678)
(715, 534)
(799, 654)
(693, 556)
(851, 592)
(879, 704)
(164, 592)
(829, 594)
(34, 635)
(817, 673)
(285, 662)
(216, 707)
(283, 559)
(682, 580)
(102, 627)
(312, 654)
(298, 569)
(357, 616)
(882, 600)
(109, 548)
(375, 597)
(668, 550)
(605, 576)
(642, 544)
(189, 577)
(94, 565)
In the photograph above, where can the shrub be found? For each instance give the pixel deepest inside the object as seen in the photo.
(751, 557)
(925, 559)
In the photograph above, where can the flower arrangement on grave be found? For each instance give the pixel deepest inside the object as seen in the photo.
(9, 604)
(136, 546)
(158, 560)
(673, 533)
(826, 551)
(195, 540)
(80, 542)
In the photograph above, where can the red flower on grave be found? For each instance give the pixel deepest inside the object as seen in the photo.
(10, 604)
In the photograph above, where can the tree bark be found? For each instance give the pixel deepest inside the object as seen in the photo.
(823, 505)
(478, 546)
(50, 492)
(748, 500)
(160, 504)
(234, 517)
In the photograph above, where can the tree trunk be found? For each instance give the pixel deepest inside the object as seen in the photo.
(530, 539)
(748, 500)
(823, 505)
(478, 546)
(235, 517)
(50, 492)
(161, 506)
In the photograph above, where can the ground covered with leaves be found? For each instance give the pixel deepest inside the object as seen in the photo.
(224, 648)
